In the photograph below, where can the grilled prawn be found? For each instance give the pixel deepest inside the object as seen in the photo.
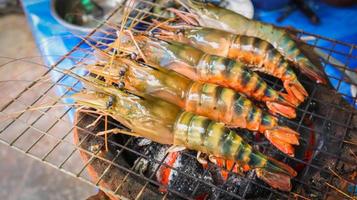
(257, 54)
(199, 66)
(209, 100)
(166, 123)
(208, 15)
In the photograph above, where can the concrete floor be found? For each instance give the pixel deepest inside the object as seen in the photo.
(21, 176)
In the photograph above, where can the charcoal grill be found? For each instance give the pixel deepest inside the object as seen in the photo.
(327, 168)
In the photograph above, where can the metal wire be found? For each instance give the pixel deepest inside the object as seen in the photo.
(64, 155)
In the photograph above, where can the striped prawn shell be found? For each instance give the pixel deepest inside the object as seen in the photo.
(202, 134)
(226, 105)
(280, 39)
(229, 73)
(285, 44)
(210, 100)
(223, 19)
(199, 66)
(261, 55)
(257, 53)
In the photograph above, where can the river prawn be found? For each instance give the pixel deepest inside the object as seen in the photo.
(166, 123)
(206, 99)
(199, 66)
(257, 54)
(209, 15)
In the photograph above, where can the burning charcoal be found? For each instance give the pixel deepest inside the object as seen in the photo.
(153, 153)
(141, 165)
(144, 142)
(236, 184)
(180, 179)
(165, 175)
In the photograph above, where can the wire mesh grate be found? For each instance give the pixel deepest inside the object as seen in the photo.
(50, 136)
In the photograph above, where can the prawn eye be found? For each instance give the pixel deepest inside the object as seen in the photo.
(110, 102)
(122, 72)
(133, 56)
(121, 85)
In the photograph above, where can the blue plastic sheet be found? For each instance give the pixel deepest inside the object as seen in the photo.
(53, 41)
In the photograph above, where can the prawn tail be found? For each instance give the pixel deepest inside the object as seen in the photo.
(295, 90)
(275, 180)
(282, 109)
(275, 166)
(283, 138)
(311, 71)
(287, 99)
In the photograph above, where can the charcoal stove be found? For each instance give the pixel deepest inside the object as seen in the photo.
(326, 159)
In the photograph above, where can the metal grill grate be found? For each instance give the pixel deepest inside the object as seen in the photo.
(47, 134)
